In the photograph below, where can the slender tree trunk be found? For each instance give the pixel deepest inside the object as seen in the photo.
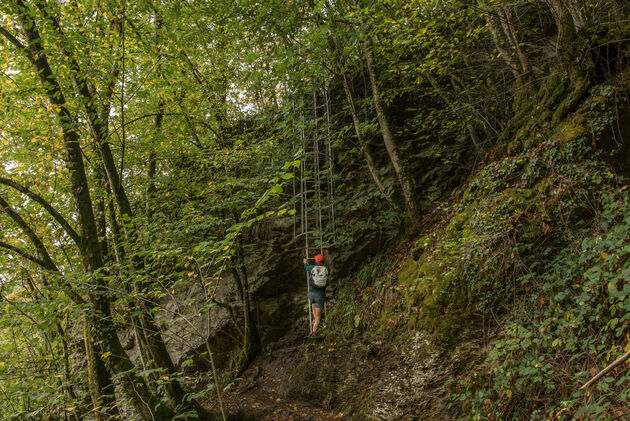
(356, 122)
(117, 239)
(363, 144)
(251, 338)
(504, 33)
(100, 213)
(499, 45)
(159, 116)
(101, 387)
(150, 198)
(66, 361)
(510, 30)
(406, 183)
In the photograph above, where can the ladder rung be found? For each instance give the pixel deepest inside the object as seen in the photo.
(314, 217)
(307, 232)
(314, 191)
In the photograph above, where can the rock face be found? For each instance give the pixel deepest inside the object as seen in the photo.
(374, 380)
(412, 385)
(278, 287)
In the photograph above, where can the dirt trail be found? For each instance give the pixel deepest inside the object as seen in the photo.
(258, 395)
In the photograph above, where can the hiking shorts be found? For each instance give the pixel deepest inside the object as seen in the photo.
(317, 297)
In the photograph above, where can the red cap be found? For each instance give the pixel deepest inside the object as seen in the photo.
(319, 258)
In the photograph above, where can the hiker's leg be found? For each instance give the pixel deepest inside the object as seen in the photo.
(313, 313)
(318, 317)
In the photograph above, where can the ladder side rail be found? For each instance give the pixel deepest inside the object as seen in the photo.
(303, 211)
(331, 179)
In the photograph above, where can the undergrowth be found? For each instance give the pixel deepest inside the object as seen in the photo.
(359, 303)
(574, 321)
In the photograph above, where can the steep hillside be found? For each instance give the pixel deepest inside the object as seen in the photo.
(513, 294)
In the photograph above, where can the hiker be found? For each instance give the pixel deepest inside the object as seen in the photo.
(317, 282)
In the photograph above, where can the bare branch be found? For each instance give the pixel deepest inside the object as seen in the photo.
(605, 371)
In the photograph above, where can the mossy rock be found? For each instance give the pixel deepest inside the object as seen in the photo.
(463, 357)
(570, 129)
(544, 185)
(409, 272)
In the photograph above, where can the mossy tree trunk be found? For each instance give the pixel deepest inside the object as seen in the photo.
(574, 58)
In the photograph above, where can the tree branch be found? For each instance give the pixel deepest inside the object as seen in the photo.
(44, 260)
(52, 211)
(26, 228)
(605, 371)
(13, 40)
(22, 253)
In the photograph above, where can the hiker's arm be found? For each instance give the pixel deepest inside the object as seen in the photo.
(308, 267)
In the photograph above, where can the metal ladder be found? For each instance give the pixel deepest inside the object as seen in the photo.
(313, 184)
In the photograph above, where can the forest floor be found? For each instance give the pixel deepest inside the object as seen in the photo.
(258, 395)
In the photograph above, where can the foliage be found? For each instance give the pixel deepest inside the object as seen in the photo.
(468, 268)
(577, 324)
(357, 304)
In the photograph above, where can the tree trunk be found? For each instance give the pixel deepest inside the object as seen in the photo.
(356, 122)
(504, 33)
(363, 144)
(117, 239)
(100, 131)
(499, 45)
(251, 342)
(99, 316)
(406, 183)
(251, 339)
(159, 116)
(510, 30)
(101, 387)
